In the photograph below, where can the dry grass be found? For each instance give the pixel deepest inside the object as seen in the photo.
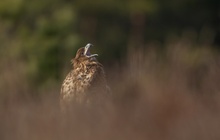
(171, 95)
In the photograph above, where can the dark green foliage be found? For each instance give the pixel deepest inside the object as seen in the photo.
(44, 34)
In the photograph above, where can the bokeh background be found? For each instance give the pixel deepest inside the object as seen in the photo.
(161, 59)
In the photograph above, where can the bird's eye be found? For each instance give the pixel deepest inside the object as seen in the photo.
(82, 53)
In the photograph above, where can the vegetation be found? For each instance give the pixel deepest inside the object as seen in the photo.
(161, 59)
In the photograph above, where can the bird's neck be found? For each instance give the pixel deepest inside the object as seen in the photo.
(87, 68)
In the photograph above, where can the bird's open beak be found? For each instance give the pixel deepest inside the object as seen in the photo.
(87, 51)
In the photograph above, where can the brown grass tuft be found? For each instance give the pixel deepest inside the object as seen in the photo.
(156, 95)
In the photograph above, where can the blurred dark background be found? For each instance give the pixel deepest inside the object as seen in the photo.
(161, 59)
(39, 37)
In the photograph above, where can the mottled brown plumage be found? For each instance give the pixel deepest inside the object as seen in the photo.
(86, 82)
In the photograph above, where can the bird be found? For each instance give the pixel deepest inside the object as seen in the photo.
(86, 83)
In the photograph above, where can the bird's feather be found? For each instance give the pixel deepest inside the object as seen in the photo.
(86, 82)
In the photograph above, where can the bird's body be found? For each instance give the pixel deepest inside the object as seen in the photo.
(86, 82)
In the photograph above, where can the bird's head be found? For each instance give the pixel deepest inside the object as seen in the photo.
(84, 55)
